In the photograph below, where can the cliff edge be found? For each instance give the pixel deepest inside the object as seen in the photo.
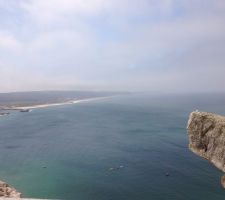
(8, 191)
(206, 132)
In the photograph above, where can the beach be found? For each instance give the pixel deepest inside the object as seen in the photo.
(44, 105)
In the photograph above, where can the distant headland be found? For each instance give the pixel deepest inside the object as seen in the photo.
(26, 101)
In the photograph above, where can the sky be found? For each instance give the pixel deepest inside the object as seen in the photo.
(131, 45)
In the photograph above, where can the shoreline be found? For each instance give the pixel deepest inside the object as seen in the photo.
(54, 104)
(6, 191)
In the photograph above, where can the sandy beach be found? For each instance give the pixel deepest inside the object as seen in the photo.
(56, 104)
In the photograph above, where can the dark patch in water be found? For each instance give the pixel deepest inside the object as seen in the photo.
(12, 146)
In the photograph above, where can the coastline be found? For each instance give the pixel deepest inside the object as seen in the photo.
(54, 104)
(6, 191)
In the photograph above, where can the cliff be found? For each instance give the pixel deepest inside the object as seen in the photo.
(206, 133)
(8, 191)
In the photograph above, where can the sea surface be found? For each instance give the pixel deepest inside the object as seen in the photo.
(120, 148)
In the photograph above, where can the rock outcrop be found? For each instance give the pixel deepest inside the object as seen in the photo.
(8, 191)
(206, 133)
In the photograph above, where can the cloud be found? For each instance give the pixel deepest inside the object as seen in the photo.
(135, 45)
(56, 10)
(9, 42)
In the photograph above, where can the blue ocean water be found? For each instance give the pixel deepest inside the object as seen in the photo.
(119, 148)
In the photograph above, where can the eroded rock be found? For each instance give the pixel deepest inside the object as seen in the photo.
(8, 191)
(206, 133)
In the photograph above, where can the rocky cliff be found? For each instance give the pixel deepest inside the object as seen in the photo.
(8, 191)
(206, 133)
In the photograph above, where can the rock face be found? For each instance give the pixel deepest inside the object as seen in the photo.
(7, 191)
(206, 133)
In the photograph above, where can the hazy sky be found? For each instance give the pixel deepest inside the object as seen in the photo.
(146, 45)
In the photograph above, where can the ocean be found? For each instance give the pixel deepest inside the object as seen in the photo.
(128, 147)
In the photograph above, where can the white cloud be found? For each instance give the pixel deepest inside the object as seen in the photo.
(9, 42)
(56, 10)
(59, 39)
(146, 44)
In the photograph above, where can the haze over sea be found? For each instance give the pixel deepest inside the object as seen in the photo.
(120, 148)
